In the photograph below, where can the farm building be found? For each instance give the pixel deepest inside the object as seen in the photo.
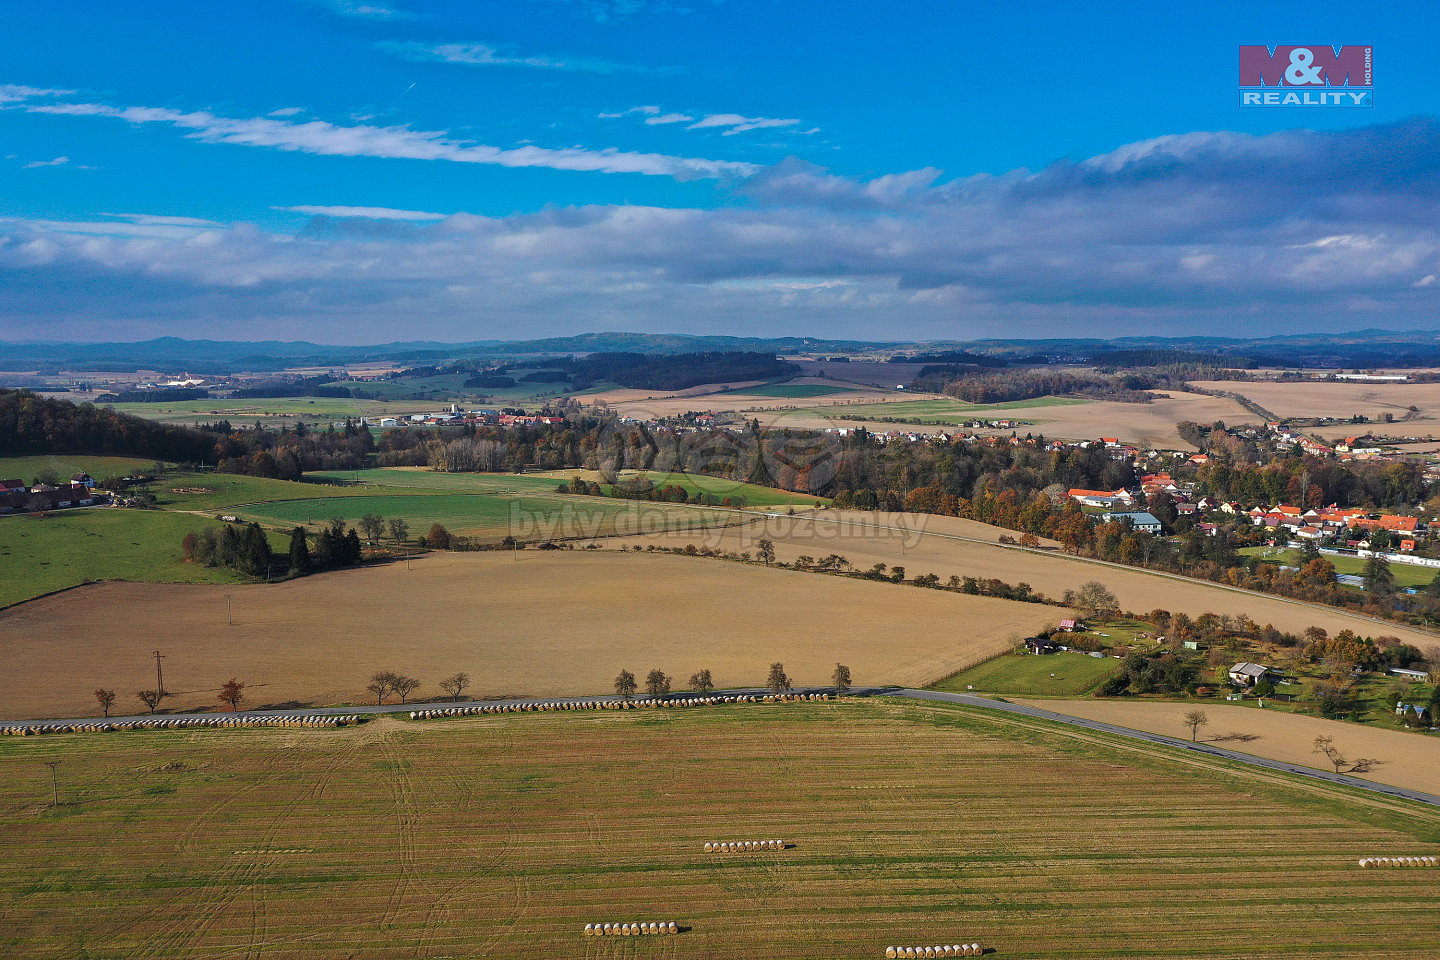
(1039, 645)
(1139, 520)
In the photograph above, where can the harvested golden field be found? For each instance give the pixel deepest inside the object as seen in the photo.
(947, 546)
(1321, 398)
(530, 623)
(1403, 759)
(504, 836)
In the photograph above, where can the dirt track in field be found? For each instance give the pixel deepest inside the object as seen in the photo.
(533, 623)
(1401, 758)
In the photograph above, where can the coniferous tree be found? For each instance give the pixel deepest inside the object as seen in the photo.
(300, 562)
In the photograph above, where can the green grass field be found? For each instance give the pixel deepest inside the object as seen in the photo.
(416, 479)
(754, 494)
(492, 517)
(1057, 674)
(217, 491)
(64, 466)
(273, 412)
(40, 554)
(1406, 575)
(504, 836)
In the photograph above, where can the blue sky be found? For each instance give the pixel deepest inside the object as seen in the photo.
(368, 170)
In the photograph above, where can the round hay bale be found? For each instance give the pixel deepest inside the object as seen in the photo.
(890, 953)
(976, 950)
(707, 847)
(589, 929)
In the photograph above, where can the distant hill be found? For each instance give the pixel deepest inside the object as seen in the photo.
(1358, 349)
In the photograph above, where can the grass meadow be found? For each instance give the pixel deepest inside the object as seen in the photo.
(493, 517)
(1406, 575)
(503, 836)
(1058, 674)
(42, 554)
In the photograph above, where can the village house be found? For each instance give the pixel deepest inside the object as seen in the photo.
(1248, 674)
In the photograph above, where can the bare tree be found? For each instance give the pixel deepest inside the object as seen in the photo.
(701, 682)
(151, 698)
(1196, 719)
(625, 685)
(841, 679)
(765, 550)
(452, 685)
(656, 683)
(106, 699)
(381, 684)
(233, 693)
(371, 525)
(399, 529)
(1326, 744)
(778, 682)
(404, 686)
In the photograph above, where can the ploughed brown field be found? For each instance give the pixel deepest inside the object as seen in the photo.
(949, 546)
(1400, 758)
(504, 836)
(1320, 398)
(531, 623)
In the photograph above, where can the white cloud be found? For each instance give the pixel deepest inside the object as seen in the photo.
(286, 112)
(738, 124)
(57, 162)
(730, 123)
(398, 142)
(366, 10)
(14, 93)
(370, 213)
(485, 55)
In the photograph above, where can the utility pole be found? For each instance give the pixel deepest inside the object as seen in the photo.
(228, 621)
(159, 679)
(54, 779)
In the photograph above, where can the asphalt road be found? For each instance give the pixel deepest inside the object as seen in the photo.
(956, 698)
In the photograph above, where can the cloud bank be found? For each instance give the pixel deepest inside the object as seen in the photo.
(1217, 232)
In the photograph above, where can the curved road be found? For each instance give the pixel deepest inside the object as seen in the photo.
(962, 699)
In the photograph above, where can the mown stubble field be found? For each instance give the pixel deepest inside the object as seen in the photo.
(504, 836)
(1399, 757)
(533, 623)
(923, 543)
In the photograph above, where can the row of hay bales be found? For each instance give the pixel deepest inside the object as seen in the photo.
(945, 950)
(1368, 862)
(648, 703)
(630, 929)
(741, 846)
(179, 723)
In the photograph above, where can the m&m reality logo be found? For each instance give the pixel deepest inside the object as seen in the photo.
(1317, 75)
